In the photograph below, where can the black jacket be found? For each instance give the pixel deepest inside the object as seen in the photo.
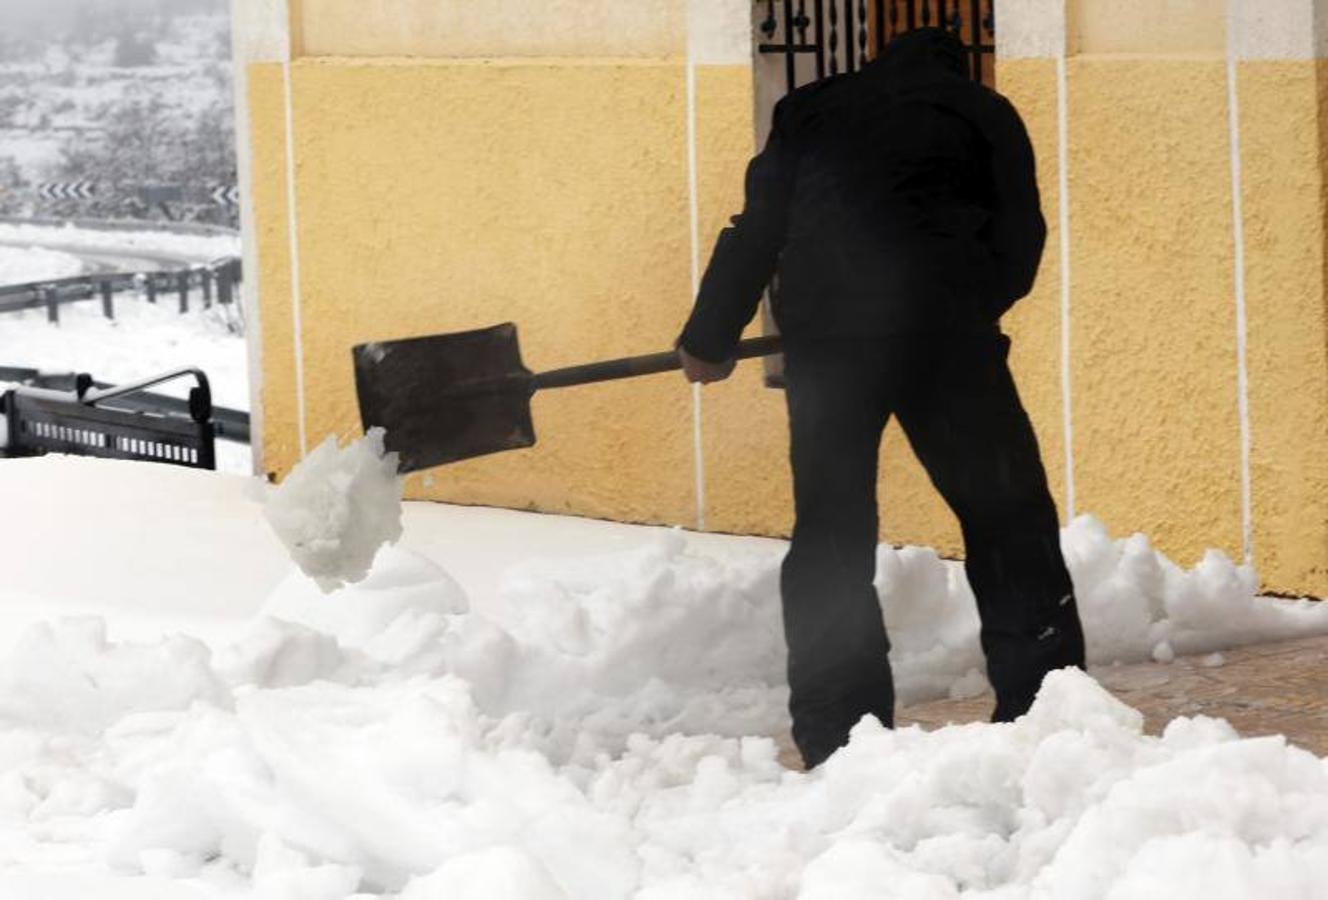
(897, 199)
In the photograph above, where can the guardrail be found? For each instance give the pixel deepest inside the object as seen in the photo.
(218, 278)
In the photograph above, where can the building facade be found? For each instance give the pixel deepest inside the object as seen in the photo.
(421, 166)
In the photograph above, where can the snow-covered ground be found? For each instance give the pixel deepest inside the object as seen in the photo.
(525, 706)
(21, 265)
(141, 340)
(194, 247)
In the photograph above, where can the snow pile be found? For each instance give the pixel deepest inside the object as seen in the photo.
(68, 676)
(21, 265)
(336, 783)
(592, 725)
(196, 247)
(337, 507)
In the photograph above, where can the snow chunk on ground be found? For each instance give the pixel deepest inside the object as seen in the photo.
(337, 507)
(66, 675)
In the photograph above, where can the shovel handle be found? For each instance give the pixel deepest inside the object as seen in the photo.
(650, 364)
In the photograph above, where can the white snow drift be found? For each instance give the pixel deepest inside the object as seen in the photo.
(595, 723)
(20, 265)
(199, 247)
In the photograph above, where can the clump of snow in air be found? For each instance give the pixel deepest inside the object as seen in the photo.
(337, 507)
(528, 706)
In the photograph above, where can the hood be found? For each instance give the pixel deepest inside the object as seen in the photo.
(921, 55)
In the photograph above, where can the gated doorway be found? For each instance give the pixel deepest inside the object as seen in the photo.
(834, 36)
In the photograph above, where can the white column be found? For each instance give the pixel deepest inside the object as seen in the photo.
(1037, 29)
(259, 33)
(718, 33)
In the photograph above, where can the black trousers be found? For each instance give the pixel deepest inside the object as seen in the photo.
(957, 403)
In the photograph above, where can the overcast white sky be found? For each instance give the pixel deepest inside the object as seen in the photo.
(34, 17)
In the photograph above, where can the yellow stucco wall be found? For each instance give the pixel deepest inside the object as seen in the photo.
(280, 435)
(438, 195)
(547, 194)
(1153, 366)
(1034, 323)
(743, 425)
(570, 219)
(1284, 133)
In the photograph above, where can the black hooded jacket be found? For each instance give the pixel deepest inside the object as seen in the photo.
(897, 199)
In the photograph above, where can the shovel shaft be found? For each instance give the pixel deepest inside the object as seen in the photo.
(632, 366)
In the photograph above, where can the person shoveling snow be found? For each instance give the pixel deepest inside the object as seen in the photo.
(927, 186)
(337, 507)
(899, 207)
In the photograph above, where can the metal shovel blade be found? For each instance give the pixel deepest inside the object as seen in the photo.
(446, 397)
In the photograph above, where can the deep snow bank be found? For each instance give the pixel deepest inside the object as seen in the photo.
(325, 788)
(596, 725)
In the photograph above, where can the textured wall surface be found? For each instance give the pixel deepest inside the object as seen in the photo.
(551, 196)
(711, 31)
(439, 195)
(1282, 144)
(743, 425)
(1034, 324)
(442, 197)
(267, 125)
(1148, 26)
(459, 28)
(1153, 365)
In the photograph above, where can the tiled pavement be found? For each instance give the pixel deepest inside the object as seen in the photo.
(1278, 688)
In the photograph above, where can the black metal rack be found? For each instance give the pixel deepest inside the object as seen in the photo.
(92, 421)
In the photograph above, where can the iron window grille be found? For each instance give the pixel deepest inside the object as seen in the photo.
(842, 35)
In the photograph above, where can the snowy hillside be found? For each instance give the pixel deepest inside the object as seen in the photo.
(526, 706)
(122, 93)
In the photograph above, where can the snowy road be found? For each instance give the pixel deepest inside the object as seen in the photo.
(542, 708)
(98, 260)
(114, 250)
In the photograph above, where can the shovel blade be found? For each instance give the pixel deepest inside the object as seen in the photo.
(446, 397)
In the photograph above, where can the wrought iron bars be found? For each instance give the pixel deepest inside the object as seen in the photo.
(862, 28)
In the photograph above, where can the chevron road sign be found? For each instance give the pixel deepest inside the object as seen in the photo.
(226, 195)
(67, 190)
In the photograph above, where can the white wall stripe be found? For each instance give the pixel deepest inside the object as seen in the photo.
(694, 226)
(1238, 253)
(293, 229)
(1063, 210)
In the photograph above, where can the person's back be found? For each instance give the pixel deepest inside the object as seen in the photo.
(896, 199)
(900, 207)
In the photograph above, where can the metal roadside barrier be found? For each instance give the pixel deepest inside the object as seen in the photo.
(90, 421)
(216, 279)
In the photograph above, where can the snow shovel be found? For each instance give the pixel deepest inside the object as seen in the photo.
(449, 397)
